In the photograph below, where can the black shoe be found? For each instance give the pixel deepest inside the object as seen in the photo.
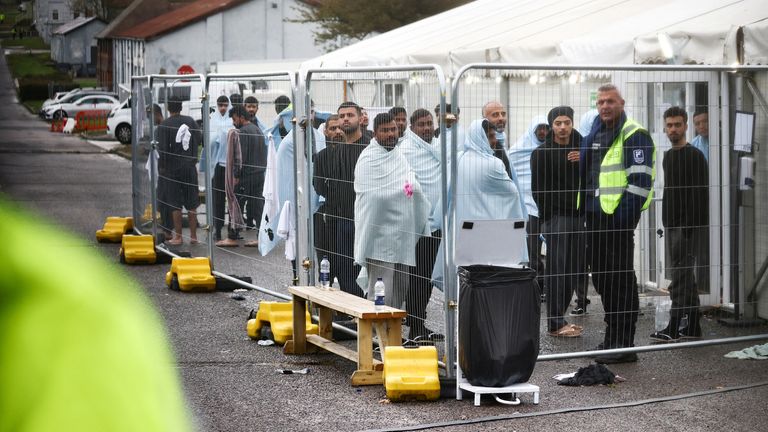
(665, 335)
(692, 329)
(616, 358)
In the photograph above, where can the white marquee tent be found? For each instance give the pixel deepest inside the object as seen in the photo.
(573, 32)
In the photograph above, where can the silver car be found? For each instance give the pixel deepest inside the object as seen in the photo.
(86, 102)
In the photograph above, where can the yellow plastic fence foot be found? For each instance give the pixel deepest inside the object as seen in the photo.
(411, 373)
(190, 275)
(138, 249)
(279, 316)
(114, 228)
(147, 216)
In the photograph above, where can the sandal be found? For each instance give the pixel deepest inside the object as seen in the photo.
(194, 241)
(567, 331)
(252, 243)
(178, 242)
(227, 243)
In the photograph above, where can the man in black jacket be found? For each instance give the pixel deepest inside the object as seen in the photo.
(554, 184)
(334, 179)
(685, 208)
(252, 175)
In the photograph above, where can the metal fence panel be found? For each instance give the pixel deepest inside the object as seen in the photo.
(368, 204)
(723, 265)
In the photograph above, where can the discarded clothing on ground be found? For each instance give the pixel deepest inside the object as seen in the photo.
(590, 375)
(757, 352)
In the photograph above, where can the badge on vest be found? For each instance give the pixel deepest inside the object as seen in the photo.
(638, 155)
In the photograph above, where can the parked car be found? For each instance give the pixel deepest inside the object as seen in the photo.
(70, 96)
(119, 122)
(87, 102)
(119, 119)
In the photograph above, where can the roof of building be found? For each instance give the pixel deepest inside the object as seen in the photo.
(76, 24)
(137, 12)
(176, 19)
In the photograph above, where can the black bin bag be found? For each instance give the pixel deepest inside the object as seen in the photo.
(499, 311)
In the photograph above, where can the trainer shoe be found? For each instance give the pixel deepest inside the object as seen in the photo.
(578, 311)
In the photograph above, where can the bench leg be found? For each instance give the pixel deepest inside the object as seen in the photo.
(325, 322)
(360, 378)
(364, 345)
(299, 343)
(365, 373)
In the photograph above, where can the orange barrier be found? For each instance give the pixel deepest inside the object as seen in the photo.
(92, 120)
(57, 125)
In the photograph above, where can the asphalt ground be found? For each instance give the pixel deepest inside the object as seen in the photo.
(231, 383)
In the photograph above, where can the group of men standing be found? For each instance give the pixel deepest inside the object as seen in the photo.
(238, 166)
(380, 215)
(590, 191)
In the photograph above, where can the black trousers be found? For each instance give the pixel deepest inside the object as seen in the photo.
(346, 269)
(683, 245)
(219, 199)
(566, 267)
(251, 199)
(611, 254)
(534, 230)
(420, 288)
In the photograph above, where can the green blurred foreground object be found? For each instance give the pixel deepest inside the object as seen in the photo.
(81, 348)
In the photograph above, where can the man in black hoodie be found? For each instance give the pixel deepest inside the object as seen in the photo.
(554, 184)
(684, 211)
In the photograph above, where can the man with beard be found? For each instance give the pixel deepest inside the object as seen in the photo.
(391, 211)
(422, 151)
(496, 115)
(326, 217)
(685, 208)
(616, 166)
(250, 179)
(554, 184)
(340, 178)
(401, 119)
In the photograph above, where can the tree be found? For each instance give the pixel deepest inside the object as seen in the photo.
(88, 8)
(344, 21)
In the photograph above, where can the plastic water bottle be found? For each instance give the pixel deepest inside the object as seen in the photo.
(378, 293)
(325, 273)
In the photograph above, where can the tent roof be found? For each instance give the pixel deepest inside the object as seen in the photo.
(577, 31)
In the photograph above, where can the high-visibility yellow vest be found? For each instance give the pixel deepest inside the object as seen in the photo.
(613, 180)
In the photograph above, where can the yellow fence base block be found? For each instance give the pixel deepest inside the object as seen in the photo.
(190, 275)
(411, 373)
(138, 249)
(279, 315)
(114, 228)
(147, 216)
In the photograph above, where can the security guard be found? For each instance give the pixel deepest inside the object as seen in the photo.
(617, 172)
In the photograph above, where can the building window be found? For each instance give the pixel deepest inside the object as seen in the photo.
(394, 94)
(55, 14)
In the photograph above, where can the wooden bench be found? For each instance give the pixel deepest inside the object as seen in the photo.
(386, 320)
